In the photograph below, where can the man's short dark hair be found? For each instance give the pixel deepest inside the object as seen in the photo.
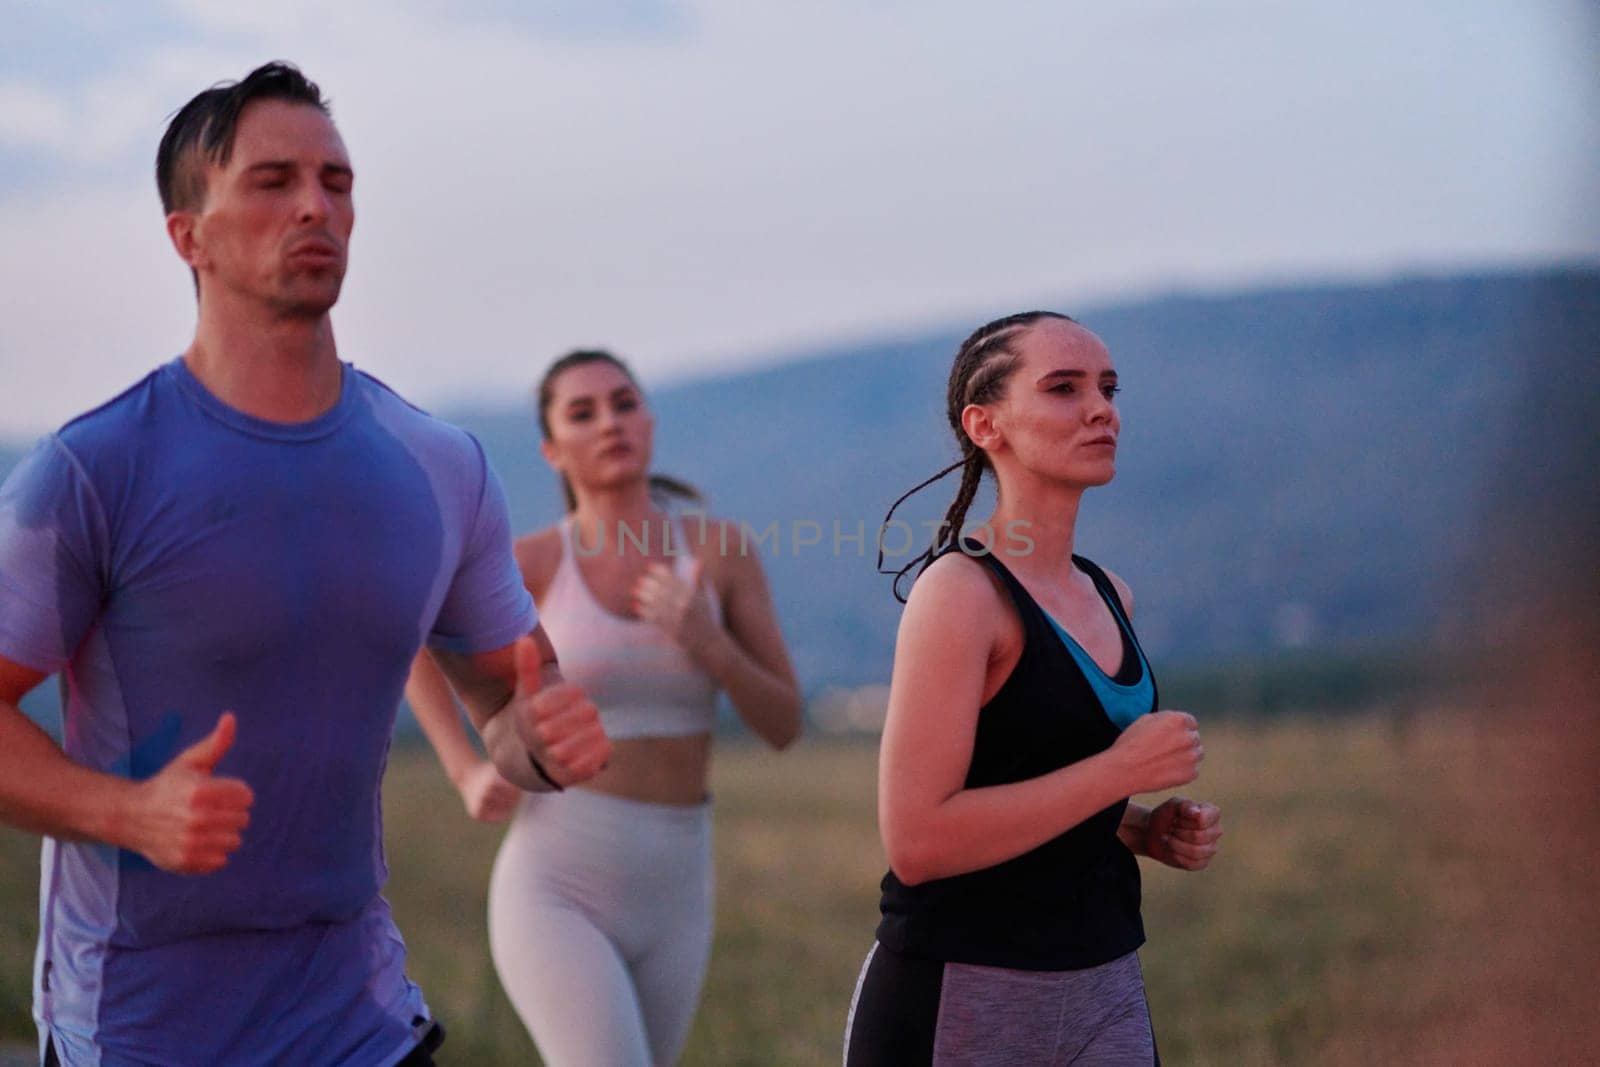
(203, 130)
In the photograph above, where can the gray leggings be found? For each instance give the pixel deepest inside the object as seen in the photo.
(911, 1011)
(600, 925)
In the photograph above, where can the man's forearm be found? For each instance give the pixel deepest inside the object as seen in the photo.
(525, 712)
(510, 756)
(541, 782)
(44, 792)
(487, 696)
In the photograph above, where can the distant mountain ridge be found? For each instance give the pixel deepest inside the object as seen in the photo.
(1298, 467)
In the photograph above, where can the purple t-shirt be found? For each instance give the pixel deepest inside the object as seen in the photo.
(174, 558)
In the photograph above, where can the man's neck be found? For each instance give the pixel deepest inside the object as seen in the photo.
(278, 369)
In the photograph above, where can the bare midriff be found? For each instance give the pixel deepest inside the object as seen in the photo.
(657, 770)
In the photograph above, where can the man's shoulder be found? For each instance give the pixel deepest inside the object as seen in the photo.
(416, 426)
(113, 423)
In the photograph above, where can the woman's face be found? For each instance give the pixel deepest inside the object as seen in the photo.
(600, 429)
(1058, 418)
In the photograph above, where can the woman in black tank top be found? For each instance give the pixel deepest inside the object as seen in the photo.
(1022, 716)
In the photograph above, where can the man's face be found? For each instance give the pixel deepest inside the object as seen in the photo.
(275, 223)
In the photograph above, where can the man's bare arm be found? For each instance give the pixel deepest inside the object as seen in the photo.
(540, 731)
(183, 819)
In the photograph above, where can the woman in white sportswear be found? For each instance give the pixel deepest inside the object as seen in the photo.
(600, 902)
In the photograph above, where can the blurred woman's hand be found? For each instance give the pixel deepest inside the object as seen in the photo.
(682, 609)
(487, 796)
(1184, 833)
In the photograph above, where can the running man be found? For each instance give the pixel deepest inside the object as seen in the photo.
(232, 565)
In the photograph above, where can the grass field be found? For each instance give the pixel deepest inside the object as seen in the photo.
(1388, 892)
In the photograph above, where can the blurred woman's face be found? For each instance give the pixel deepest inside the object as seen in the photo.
(1058, 418)
(600, 429)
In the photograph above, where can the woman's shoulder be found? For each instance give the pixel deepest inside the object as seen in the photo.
(959, 607)
(958, 581)
(538, 556)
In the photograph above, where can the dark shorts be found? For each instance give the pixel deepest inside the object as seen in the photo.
(422, 1055)
(908, 1012)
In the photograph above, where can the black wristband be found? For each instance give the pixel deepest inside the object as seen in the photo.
(544, 774)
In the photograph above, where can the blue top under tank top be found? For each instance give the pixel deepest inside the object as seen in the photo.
(1128, 694)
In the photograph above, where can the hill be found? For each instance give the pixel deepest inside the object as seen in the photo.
(1303, 468)
(1300, 468)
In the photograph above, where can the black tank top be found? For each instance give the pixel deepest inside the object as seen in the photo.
(1071, 903)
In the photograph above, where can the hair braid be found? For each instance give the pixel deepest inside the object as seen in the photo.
(982, 366)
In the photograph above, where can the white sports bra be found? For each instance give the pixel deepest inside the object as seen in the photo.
(643, 683)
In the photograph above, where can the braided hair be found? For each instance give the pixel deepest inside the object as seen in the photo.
(983, 364)
(660, 484)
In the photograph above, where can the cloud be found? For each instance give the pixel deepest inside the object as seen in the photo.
(31, 117)
(108, 124)
(62, 45)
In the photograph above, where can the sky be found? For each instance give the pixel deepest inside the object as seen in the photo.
(706, 185)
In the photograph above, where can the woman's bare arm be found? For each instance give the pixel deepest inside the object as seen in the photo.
(487, 795)
(932, 826)
(752, 664)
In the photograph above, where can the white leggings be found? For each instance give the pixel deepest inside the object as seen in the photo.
(600, 925)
